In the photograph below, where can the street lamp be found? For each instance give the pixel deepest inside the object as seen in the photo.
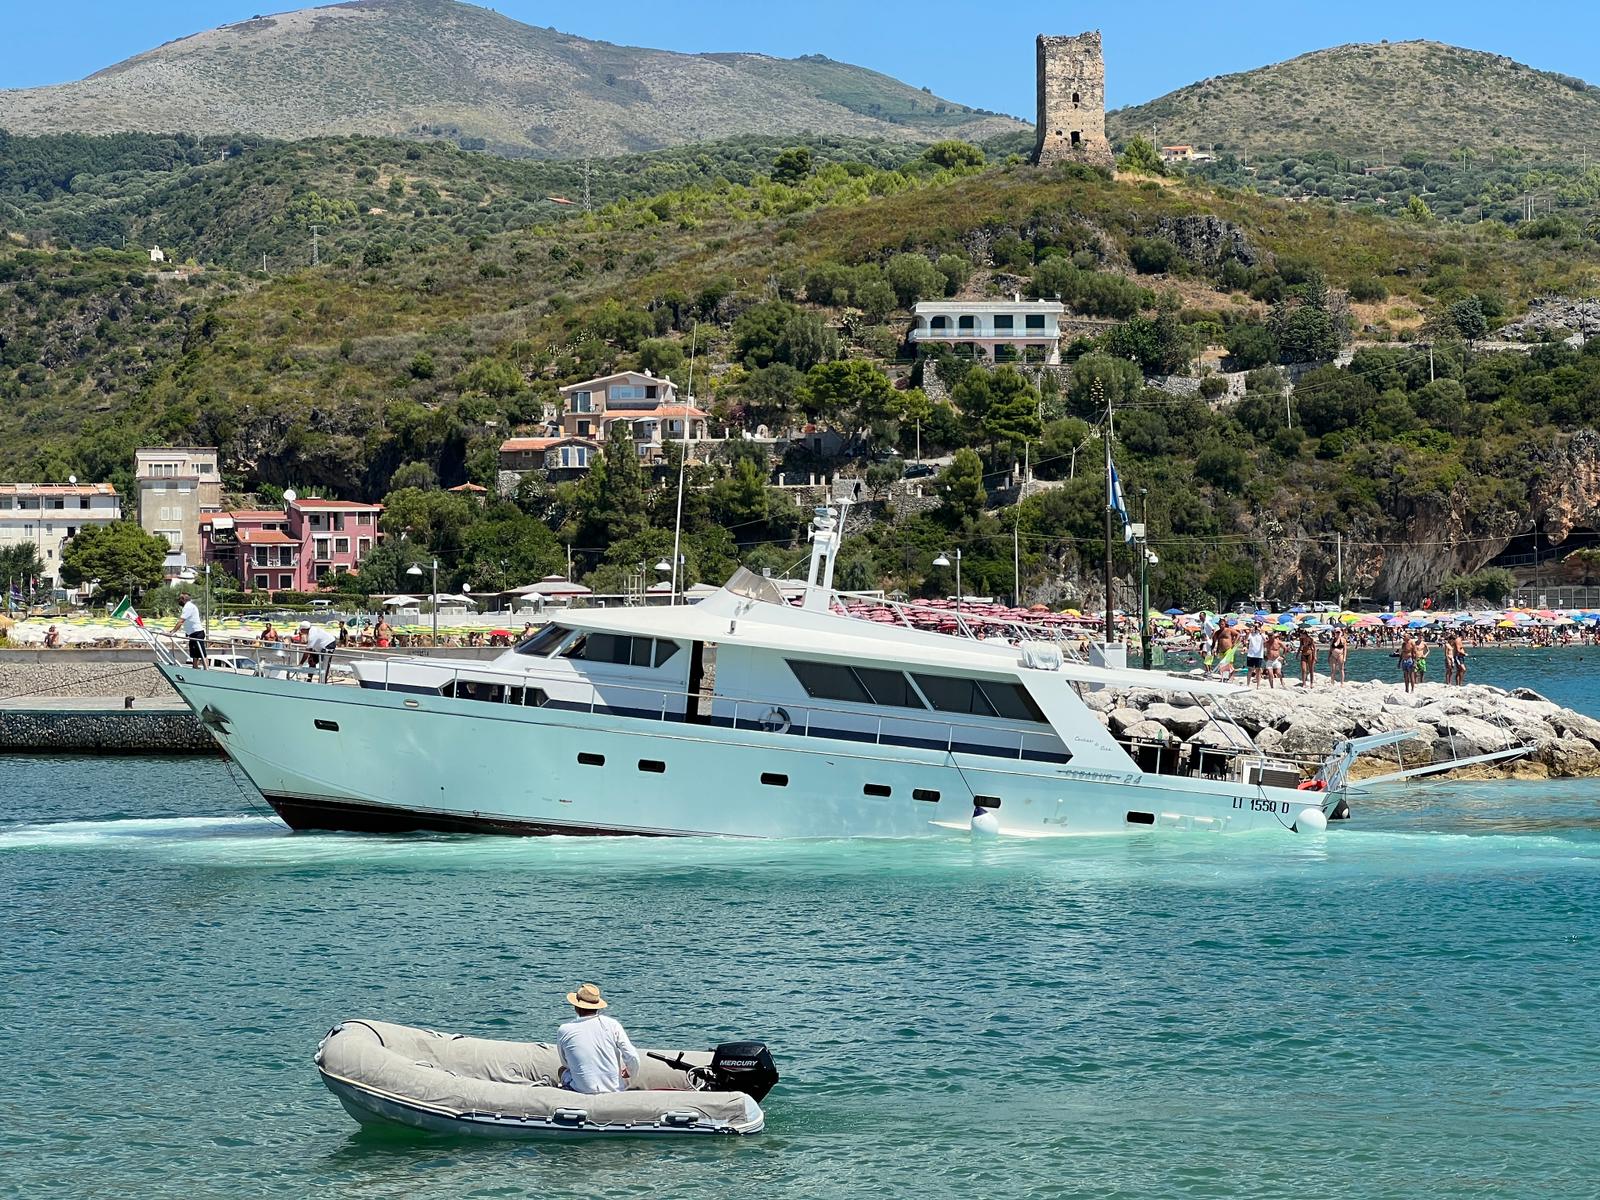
(944, 561)
(416, 569)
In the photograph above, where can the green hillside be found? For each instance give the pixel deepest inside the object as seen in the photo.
(1370, 99)
(441, 69)
(416, 347)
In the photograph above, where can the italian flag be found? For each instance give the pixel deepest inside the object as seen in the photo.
(125, 610)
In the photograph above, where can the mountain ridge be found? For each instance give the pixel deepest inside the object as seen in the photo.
(440, 68)
(1375, 97)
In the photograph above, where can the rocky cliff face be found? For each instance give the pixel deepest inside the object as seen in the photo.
(1404, 559)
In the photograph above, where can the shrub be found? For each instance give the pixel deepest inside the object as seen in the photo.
(1153, 256)
(1368, 289)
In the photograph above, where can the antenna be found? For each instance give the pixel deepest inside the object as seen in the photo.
(683, 464)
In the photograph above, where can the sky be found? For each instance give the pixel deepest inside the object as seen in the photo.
(981, 55)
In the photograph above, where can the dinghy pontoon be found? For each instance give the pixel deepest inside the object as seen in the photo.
(452, 1084)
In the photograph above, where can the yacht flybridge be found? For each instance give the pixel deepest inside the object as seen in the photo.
(742, 715)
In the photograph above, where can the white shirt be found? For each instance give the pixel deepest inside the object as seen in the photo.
(191, 619)
(1254, 646)
(593, 1052)
(319, 639)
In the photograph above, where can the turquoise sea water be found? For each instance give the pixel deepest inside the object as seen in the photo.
(1404, 1007)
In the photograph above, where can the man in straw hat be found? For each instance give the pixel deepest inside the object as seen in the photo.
(596, 1055)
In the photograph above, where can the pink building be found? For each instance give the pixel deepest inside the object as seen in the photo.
(291, 549)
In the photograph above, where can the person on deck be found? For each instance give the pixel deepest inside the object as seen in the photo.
(194, 629)
(319, 645)
(596, 1055)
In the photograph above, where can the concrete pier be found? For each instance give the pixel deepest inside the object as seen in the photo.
(101, 725)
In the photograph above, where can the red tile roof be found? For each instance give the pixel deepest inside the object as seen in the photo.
(316, 502)
(467, 487)
(266, 537)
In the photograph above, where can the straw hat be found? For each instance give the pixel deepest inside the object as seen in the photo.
(588, 996)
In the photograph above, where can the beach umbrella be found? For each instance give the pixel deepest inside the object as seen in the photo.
(1506, 624)
(1349, 618)
(1174, 612)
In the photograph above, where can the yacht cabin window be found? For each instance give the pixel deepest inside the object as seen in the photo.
(621, 649)
(978, 697)
(946, 693)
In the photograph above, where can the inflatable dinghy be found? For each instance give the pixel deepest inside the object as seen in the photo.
(387, 1074)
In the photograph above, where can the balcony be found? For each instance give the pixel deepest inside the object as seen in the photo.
(985, 335)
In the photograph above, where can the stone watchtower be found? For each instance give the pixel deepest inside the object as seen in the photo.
(1072, 101)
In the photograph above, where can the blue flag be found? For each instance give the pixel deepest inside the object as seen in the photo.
(1114, 497)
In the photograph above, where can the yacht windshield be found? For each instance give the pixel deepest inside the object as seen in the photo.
(543, 641)
(751, 586)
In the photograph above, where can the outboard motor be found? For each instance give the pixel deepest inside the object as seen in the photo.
(744, 1067)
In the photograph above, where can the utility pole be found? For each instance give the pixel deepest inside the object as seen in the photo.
(1016, 563)
(1338, 566)
(316, 258)
(586, 185)
(1430, 362)
(263, 262)
(1145, 629)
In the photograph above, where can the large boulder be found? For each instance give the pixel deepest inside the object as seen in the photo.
(1185, 721)
(1121, 719)
(1146, 731)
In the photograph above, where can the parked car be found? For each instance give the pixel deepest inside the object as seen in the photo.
(238, 664)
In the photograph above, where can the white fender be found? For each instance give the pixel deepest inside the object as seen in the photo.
(985, 824)
(1310, 820)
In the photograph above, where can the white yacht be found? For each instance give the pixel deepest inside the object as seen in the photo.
(746, 716)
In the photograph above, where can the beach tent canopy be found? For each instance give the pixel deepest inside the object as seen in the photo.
(401, 602)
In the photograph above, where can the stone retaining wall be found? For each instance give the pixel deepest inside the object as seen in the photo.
(33, 731)
(65, 673)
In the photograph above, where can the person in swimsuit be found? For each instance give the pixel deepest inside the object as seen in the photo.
(1272, 668)
(1408, 662)
(1226, 652)
(1308, 659)
(1459, 654)
(1336, 656)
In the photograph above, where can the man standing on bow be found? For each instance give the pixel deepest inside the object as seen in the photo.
(596, 1055)
(194, 629)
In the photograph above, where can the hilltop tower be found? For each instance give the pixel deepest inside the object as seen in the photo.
(1072, 101)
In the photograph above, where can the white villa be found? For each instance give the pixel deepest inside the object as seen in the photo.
(988, 325)
(46, 516)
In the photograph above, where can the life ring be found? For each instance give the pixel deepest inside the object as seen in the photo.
(1313, 785)
(776, 721)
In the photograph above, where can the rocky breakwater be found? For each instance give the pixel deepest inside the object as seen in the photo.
(1304, 724)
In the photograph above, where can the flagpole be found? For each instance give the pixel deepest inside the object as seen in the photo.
(1110, 507)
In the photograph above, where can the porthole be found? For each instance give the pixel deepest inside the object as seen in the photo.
(773, 779)
(592, 760)
(877, 789)
(653, 765)
(928, 795)
(326, 726)
(1139, 818)
(986, 801)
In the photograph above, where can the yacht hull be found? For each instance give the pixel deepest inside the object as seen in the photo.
(331, 757)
